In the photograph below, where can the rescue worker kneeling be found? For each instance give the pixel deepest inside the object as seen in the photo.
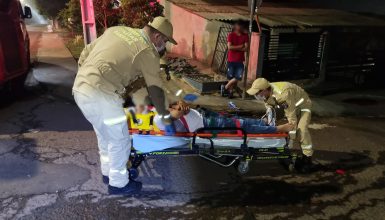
(297, 106)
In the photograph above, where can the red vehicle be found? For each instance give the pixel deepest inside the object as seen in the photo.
(14, 44)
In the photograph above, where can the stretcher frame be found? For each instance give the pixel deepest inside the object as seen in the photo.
(224, 157)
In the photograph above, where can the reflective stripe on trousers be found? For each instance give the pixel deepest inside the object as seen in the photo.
(303, 132)
(110, 125)
(307, 147)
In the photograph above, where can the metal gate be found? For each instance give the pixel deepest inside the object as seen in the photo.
(219, 62)
(292, 56)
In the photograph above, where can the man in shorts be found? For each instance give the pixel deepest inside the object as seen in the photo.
(237, 42)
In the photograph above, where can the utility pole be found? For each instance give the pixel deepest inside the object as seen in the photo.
(88, 21)
(253, 5)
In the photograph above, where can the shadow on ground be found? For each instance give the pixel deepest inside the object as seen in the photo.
(225, 187)
(266, 193)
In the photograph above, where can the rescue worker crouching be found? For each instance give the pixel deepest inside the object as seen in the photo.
(107, 66)
(297, 106)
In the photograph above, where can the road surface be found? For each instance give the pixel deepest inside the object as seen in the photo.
(49, 167)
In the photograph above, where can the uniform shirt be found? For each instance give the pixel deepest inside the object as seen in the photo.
(236, 40)
(194, 120)
(115, 60)
(289, 96)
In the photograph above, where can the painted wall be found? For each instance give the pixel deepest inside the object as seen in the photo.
(196, 36)
(253, 60)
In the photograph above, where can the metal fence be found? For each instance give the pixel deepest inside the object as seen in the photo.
(219, 62)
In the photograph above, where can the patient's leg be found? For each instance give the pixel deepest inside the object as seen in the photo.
(250, 125)
(256, 126)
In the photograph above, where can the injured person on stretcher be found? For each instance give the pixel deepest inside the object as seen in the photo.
(191, 119)
(147, 138)
(257, 141)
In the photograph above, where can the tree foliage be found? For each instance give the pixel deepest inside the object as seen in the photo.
(106, 13)
(71, 17)
(49, 8)
(137, 13)
(133, 13)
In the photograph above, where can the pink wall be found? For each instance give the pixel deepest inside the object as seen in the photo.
(196, 36)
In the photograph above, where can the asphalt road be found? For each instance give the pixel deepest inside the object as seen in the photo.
(49, 169)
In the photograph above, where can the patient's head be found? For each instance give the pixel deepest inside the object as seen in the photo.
(139, 109)
(175, 110)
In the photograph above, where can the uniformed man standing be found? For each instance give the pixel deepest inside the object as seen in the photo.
(297, 106)
(117, 60)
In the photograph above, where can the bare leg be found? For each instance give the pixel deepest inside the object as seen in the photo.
(231, 83)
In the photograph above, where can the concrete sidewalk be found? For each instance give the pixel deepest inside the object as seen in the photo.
(339, 104)
(55, 65)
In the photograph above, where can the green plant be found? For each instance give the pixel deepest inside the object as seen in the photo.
(137, 13)
(75, 46)
(71, 17)
(106, 13)
(50, 9)
(78, 39)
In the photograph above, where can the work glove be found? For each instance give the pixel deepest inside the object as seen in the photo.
(169, 130)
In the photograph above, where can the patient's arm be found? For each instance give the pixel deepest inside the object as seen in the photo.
(285, 127)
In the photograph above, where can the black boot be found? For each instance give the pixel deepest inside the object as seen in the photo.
(304, 164)
(132, 187)
(307, 164)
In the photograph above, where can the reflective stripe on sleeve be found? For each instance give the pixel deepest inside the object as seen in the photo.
(299, 102)
(305, 110)
(292, 132)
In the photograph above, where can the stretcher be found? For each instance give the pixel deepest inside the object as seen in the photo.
(225, 147)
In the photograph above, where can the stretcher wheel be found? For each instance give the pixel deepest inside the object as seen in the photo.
(134, 173)
(243, 167)
(137, 160)
(288, 164)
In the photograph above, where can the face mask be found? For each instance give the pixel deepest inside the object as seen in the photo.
(259, 98)
(161, 47)
(162, 52)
